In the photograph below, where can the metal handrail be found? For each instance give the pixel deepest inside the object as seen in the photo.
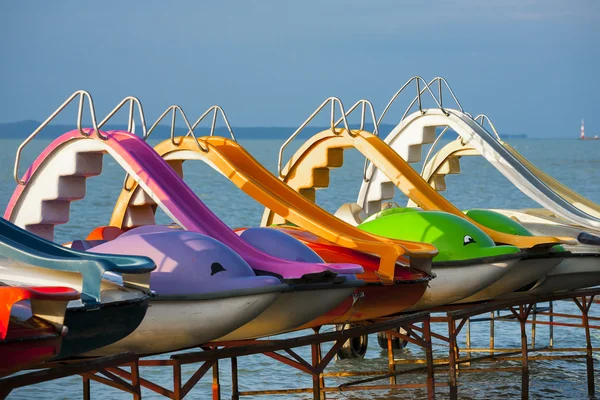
(441, 79)
(364, 103)
(418, 98)
(191, 127)
(483, 118)
(438, 101)
(333, 101)
(418, 81)
(215, 109)
(173, 109)
(82, 94)
(435, 142)
(133, 101)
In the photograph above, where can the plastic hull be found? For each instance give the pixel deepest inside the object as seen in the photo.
(454, 283)
(28, 343)
(375, 299)
(521, 274)
(291, 310)
(93, 329)
(575, 272)
(173, 325)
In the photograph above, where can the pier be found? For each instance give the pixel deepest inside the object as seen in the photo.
(443, 324)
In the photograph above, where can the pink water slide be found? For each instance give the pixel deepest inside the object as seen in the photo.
(169, 191)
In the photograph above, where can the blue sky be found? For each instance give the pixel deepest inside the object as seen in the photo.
(530, 65)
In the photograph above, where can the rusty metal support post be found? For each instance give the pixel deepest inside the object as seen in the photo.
(235, 394)
(452, 359)
(429, 357)
(86, 388)
(533, 324)
(135, 380)
(316, 376)
(216, 385)
(524, 356)
(391, 363)
(492, 332)
(468, 345)
(589, 357)
(177, 381)
(321, 377)
(551, 318)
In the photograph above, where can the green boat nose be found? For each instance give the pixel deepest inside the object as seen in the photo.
(455, 238)
(502, 223)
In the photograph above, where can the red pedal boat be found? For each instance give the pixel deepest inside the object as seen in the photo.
(31, 325)
(372, 300)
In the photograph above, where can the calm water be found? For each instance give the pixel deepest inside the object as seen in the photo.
(573, 162)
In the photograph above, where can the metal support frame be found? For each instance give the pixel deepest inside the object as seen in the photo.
(416, 329)
(88, 369)
(519, 309)
(110, 370)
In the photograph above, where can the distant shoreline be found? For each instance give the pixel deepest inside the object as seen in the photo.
(22, 129)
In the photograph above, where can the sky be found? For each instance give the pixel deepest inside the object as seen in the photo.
(530, 65)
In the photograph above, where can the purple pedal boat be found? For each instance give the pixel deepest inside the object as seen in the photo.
(204, 290)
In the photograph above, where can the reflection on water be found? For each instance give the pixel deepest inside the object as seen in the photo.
(478, 185)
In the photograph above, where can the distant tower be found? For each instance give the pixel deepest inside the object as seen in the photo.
(582, 131)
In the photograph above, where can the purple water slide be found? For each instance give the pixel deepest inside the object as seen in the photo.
(183, 206)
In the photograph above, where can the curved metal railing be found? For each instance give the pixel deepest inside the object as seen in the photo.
(422, 86)
(481, 118)
(330, 100)
(133, 101)
(173, 109)
(82, 95)
(433, 145)
(418, 82)
(216, 110)
(364, 104)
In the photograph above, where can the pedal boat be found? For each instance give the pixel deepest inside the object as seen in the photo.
(31, 325)
(317, 295)
(469, 264)
(373, 300)
(581, 266)
(106, 311)
(310, 296)
(204, 290)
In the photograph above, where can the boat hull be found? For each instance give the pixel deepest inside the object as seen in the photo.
(27, 343)
(373, 301)
(453, 283)
(307, 305)
(575, 272)
(90, 327)
(96, 328)
(171, 325)
(523, 273)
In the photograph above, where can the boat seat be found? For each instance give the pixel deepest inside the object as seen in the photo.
(105, 233)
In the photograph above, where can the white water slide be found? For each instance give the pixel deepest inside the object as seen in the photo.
(419, 128)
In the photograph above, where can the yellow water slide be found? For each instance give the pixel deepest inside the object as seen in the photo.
(309, 169)
(231, 160)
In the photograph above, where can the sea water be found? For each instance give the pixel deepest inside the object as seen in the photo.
(573, 162)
